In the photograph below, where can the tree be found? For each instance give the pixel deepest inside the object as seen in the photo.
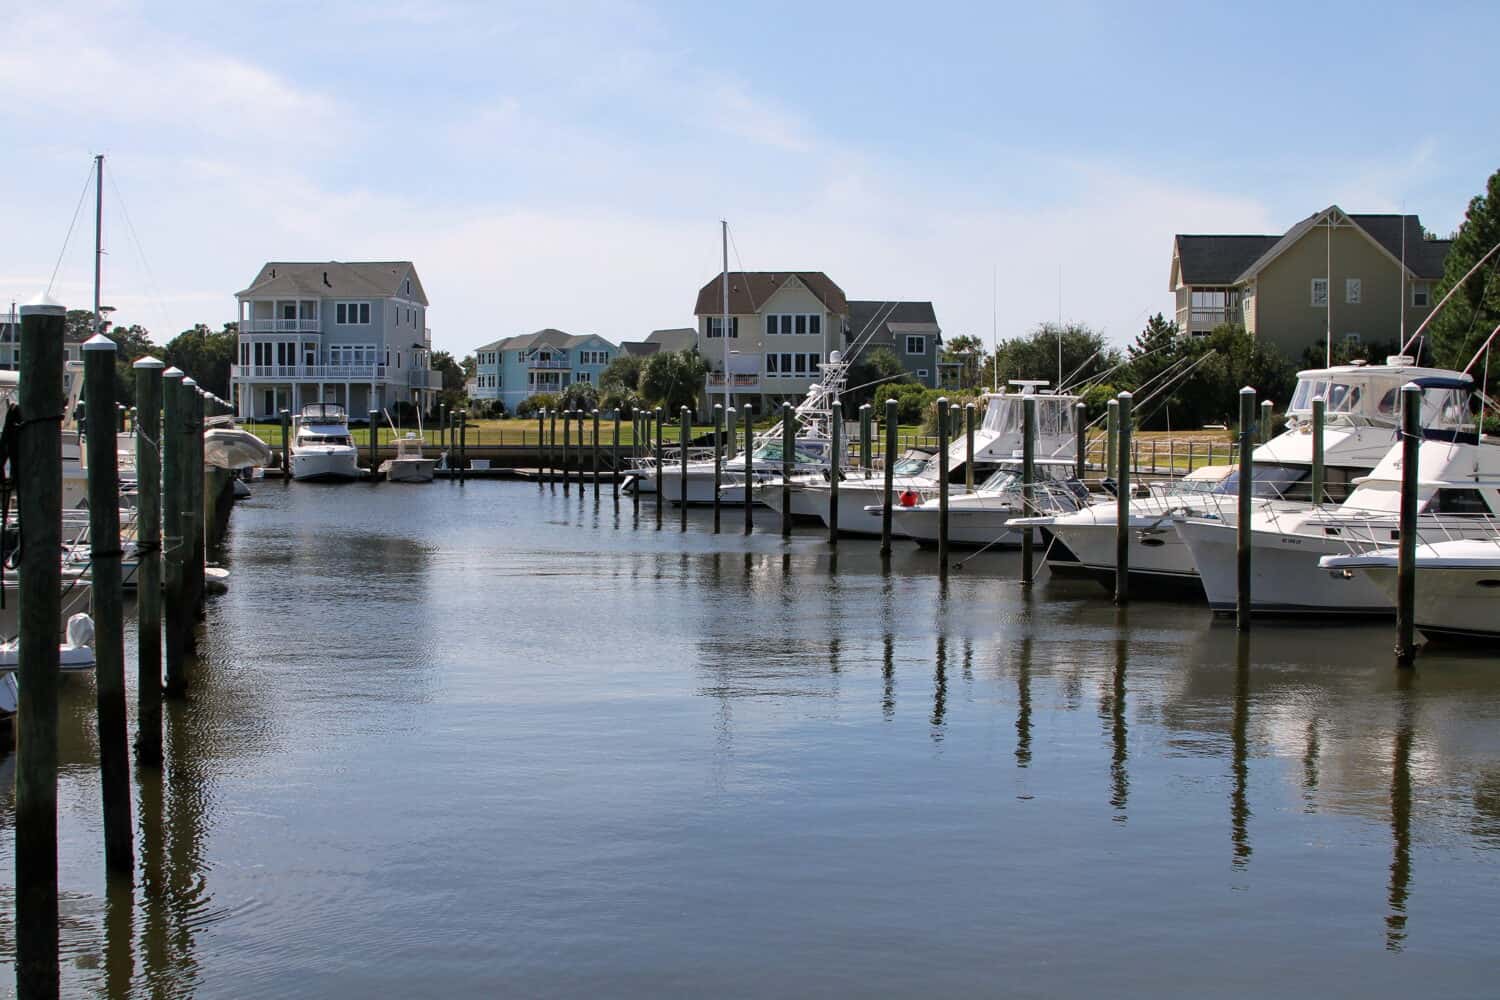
(470, 365)
(1459, 330)
(206, 355)
(1156, 348)
(452, 394)
(1210, 394)
(673, 379)
(622, 375)
(1085, 353)
(873, 377)
(580, 396)
(968, 352)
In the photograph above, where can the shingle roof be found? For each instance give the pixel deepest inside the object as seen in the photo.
(890, 318)
(749, 290)
(1227, 260)
(1219, 260)
(354, 279)
(549, 337)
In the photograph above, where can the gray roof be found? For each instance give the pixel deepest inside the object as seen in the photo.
(542, 338)
(375, 279)
(639, 348)
(1228, 260)
(749, 290)
(679, 338)
(891, 318)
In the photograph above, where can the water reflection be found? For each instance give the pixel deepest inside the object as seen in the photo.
(1115, 704)
(1239, 799)
(1401, 802)
(1023, 702)
(940, 688)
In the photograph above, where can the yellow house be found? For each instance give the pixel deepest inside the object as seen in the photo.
(1352, 278)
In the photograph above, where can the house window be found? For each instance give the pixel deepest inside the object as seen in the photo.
(1421, 293)
(583, 376)
(921, 373)
(799, 323)
(791, 324)
(351, 313)
(1351, 340)
(1352, 291)
(916, 345)
(772, 365)
(408, 286)
(1320, 292)
(814, 323)
(716, 326)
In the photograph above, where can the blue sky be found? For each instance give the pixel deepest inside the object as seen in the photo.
(567, 164)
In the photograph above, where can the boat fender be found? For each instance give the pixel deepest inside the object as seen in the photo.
(80, 630)
(909, 498)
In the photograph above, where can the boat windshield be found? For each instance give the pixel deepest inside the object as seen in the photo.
(326, 439)
(1341, 396)
(1009, 476)
(803, 453)
(911, 466)
(1272, 482)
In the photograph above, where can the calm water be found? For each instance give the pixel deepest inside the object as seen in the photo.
(480, 740)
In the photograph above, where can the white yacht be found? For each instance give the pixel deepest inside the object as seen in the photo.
(1457, 584)
(997, 439)
(983, 518)
(409, 465)
(1361, 417)
(321, 445)
(1459, 492)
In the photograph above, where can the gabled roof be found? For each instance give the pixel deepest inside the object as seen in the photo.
(749, 291)
(891, 319)
(549, 337)
(1229, 260)
(381, 279)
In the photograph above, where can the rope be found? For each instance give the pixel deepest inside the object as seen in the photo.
(69, 238)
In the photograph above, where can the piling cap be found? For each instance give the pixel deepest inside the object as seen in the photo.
(1125, 395)
(99, 342)
(149, 362)
(43, 305)
(173, 372)
(189, 380)
(1248, 390)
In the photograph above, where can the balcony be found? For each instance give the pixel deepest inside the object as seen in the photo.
(1200, 318)
(280, 326)
(553, 365)
(716, 381)
(314, 373)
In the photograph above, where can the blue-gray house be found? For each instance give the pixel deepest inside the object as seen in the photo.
(547, 361)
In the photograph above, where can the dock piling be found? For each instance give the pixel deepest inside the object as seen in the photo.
(286, 445)
(866, 439)
(174, 537)
(969, 447)
(943, 428)
(99, 354)
(541, 449)
(749, 443)
(788, 449)
(661, 467)
(1243, 536)
(718, 458)
(1406, 552)
(148, 560)
(1112, 441)
(835, 469)
(38, 451)
(374, 437)
(1265, 421)
(1319, 414)
(889, 471)
(614, 462)
(595, 457)
(1122, 501)
(1028, 480)
(1080, 440)
(684, 433)
(567, 446)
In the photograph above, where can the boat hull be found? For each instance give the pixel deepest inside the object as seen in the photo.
(408, 470)
(967, 528)
(1454, 603)
(1157, 557)
(326, 466)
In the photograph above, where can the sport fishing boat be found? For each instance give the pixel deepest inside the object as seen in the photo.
(409, 465)
(1457, 584)
(997, 440)
(984, 517)
(1458, 490)
(1360, 418)
(812, 451)
(321, 446)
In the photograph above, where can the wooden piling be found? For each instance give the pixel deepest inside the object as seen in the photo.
(943, 425)
(1265, 421)
(541, 449)
(594, 459)
(718, 459)
(1028, 480)
(567, 446)
(286, 445)
(1122, 501)
(374, 437)
(1243, 537)
(637, 428)
(196, 576)
(684, 432)
(788, 450)
(866, 440)
(835, 469)
(661, 467)
(553, 457)
(1080, 440)
(39, 452)
(889, 471)
(108, 595)
(148, 439)
(1319, 416)
(969, 447)
(614, 461)
(1406, 552)
(1112, 441)
(749, 446)
(174, 545)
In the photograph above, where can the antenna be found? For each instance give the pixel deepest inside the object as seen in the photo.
(1059, 326)
(1401, 298)
(995, 325)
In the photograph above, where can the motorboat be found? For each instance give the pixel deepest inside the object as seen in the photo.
(233, 449)
(408, 465)
(1458, 492)
(75, 654)
(997, 439)
(1457, 584)
(321, 446)
(913, 469)
(1361, 414)
(983, 518)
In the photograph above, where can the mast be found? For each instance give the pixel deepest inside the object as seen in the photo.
(724, 332)
(1401, 298)
(1328, 292)
(98, 236)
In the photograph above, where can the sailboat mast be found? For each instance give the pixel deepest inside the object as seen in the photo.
(98, 236)
(1401, 298)
(724, 320)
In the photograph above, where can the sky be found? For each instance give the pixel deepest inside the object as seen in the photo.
(567, 164)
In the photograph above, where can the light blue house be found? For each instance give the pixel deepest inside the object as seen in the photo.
(549, 360)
